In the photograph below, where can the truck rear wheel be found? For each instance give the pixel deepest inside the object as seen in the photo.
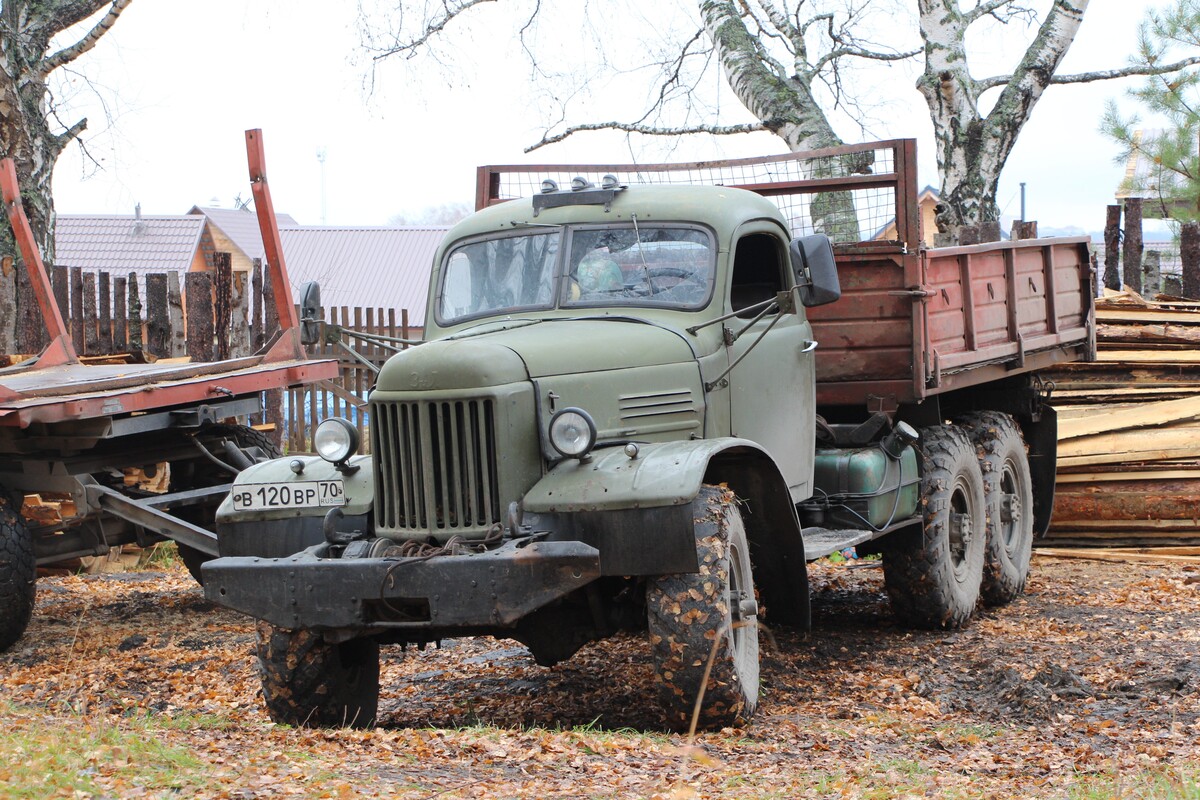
(309, 682)
(688, 613)
(933, 572)
(18, 575)
(1008, 492)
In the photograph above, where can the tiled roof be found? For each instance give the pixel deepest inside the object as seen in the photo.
(241, 226)
(374, 267)
(126, 243)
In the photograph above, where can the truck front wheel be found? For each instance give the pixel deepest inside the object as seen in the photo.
(708, 616)
(309, 682)
(933, 572)
(1008, 488)
(18, 574)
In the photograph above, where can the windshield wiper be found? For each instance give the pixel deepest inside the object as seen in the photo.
(519, 224)
(642, 254)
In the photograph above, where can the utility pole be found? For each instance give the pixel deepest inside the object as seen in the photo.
(321, 160)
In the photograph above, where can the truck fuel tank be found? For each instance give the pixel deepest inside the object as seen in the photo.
(867, 487)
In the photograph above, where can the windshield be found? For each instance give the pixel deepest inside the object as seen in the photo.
(493, 275)
(651, 265)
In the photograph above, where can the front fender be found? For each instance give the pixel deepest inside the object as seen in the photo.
(663, 474)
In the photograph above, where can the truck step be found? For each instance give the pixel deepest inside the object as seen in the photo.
(820, 542)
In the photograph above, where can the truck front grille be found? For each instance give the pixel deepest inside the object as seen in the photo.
(435, 466)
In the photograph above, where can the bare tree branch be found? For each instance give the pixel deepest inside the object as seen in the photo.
(650, 130)
(69, 54)
(1098, 75)
(433, 28)
(1139, 70)
(991, 8)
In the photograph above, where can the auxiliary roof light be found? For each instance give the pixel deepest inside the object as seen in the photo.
(549, 185)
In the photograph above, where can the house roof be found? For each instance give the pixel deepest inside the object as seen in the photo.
(127, 243)
(357, 266)
(1145, 178)
(928, 193)
(241, 226)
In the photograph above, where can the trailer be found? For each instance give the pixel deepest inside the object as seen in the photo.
(133, 452)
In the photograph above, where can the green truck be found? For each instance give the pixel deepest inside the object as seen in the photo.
(646, 403)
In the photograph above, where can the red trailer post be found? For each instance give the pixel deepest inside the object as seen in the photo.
(73, 430)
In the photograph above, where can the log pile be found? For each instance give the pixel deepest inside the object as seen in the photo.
(1129, 428)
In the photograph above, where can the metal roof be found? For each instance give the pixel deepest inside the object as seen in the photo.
(127, 243)
(241, 226)
(359, 266)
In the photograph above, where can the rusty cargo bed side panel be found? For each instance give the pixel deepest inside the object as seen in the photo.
(911, 326)
(867, 337)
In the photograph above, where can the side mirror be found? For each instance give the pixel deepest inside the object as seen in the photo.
(815, 269)
(310, 313)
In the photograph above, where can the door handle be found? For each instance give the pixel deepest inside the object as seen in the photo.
(809, 346)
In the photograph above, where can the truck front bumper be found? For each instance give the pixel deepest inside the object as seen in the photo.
(494, 589)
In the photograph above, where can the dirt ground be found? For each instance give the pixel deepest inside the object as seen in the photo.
(1088, 683)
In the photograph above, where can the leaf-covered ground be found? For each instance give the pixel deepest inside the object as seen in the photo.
(1088, 686)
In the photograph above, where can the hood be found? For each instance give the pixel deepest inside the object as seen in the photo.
(451, 364)
(536, 350)
(565, 346)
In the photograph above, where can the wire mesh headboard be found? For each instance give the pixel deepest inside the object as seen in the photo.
(863, 195)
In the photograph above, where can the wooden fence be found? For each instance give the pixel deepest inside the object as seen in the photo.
(307, 406)
(204, 316)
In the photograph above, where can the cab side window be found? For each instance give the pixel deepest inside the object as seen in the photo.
(757, 272)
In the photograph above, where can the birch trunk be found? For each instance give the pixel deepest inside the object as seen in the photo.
(971, 148)
(783, 100)
(26, 30)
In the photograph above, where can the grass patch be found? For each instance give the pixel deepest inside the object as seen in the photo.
(1157, 783)
(43, 756)
(160, 557)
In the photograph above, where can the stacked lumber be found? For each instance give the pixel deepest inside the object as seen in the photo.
(1129, 428)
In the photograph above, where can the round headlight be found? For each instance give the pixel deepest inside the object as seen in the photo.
(335, 440)
(572, 432)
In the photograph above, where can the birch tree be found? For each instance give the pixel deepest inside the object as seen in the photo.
(798, 68)
(32, 131)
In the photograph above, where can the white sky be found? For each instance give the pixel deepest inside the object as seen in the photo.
(183, 81)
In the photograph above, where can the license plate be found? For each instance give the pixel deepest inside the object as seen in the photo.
(293, 494)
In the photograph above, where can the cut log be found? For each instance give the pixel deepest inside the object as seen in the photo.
(1148, 356)
(1129, 501)
(1124, 475)
(1109, 554)
(1125, 417)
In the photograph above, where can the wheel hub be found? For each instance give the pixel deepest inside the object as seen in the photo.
(961, 528)
(742, 605)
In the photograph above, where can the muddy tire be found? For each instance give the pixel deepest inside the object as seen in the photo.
(206, 474)
(18, 574)
(686, 613)
(933, 572)
(1008, 499)
(308, 682)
